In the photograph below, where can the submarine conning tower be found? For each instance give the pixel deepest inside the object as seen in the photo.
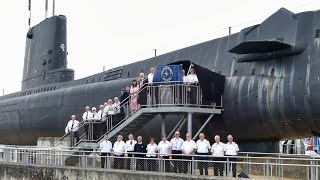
(45, 59)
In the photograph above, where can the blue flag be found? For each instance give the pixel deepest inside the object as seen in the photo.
(167, 74)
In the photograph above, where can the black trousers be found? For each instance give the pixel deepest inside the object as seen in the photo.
(118, 162)
(96, 127)
(151, 164)
(72, 136)
(203, 165)
(103, 127)
(177, 165)
(186, 164)
(232, 165)
(166, 163)
(86, 128)
(142, 99)
(218, 166)
(104, 159)
(129, 160)
(140, 163)
(192, 95)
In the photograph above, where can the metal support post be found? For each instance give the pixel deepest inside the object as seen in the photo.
(163, 125)
(190, 123)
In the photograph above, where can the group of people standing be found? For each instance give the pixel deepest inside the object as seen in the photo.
(171, 151)
(132, 97)
(94, 121)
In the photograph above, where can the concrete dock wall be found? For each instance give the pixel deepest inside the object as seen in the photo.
(13, 171)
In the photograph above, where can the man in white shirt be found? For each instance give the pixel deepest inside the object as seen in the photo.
(119, 151)
(184, 77)
(151, 153)
(150, 75)
(87, 117)
(203, 148)
(104, 118)
(109, 113)
(116, 118)
(129, 149)
(100, 117)
(231, 149)
(109, 109)
(105, 148)
(72, 129)
(164, 152)
(217, 151)
(188, 148)
(175, 148)
(95, 124)
(116, 105)
(154, 89)
(192, 89)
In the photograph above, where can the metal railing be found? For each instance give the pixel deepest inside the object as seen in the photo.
(148, 96)
(253, 167)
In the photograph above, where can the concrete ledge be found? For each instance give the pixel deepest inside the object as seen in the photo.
(14, 171)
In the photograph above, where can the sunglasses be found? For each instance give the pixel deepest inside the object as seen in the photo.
(178, 134)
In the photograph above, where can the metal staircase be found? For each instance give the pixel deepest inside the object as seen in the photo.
(170, 102)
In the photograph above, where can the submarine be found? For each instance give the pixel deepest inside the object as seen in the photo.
(271, 90)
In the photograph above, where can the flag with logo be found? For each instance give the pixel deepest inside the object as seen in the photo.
(168, 74)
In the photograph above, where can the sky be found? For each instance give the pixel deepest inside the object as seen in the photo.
(114, 33)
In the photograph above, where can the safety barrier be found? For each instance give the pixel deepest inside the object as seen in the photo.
(300, 167)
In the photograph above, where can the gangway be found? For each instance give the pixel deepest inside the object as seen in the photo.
(172, 99)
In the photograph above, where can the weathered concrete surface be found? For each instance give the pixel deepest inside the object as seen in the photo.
(12, 171)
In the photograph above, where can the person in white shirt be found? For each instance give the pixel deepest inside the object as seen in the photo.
(175, 148)
(100, 117)
(72, 129)
(105, 149)
(184, 77)
(119, 151)
(129, 149)
(151, 153)
(231, 149)
(116, 108)
(217, 150)
(104, 118)
(116, 105)
(109, 110)
(187, 148)
(203, 147)
(109, 113)
(192, 89)
(87, 117)
(164, 152)
(153, 91)
(150, 75)
(95, 124)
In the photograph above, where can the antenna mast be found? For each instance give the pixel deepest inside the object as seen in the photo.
(53, 7)
(46, 9)
(29, 21)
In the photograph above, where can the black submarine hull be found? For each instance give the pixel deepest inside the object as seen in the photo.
(264, 100)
